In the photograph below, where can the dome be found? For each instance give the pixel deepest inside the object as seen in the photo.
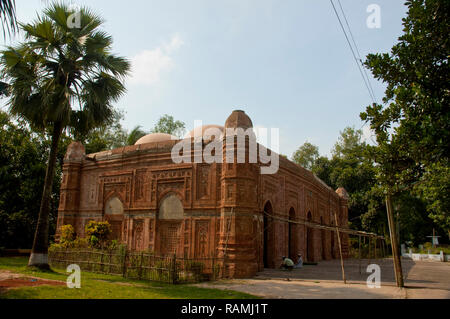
(155, 137)
(342, 193)
(238, 119)
(207, 131)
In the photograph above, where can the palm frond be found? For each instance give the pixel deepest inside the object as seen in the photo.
(8, 16)
(59, 68)
(135, 134)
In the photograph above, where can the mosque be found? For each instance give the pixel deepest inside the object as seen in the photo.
(201, 209)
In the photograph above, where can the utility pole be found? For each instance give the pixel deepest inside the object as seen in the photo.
(394, 242)
(340, 247)
(398, 225)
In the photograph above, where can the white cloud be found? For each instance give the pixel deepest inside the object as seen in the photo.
(147, 66)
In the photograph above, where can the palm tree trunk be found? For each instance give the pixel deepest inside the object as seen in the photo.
(39, 252)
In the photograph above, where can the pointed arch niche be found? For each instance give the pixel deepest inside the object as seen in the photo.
(170, 217)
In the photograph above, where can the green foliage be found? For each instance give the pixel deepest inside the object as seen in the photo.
(416, 73)
(106, 137)
(97, 233)
(8, 16)
(413, 126)
(167, 124)
(349, 144)
(135, 134)
(434, 187)
(59, 67)
(306, 155)
(350, 168)
(67, 235)
(62, 77)
(23, 155)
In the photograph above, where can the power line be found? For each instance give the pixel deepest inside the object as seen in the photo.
(353, 52)
(302, 221)
(357, 49)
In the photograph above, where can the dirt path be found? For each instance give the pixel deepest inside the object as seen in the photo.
(10, 280)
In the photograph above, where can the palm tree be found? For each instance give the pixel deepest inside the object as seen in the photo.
(8, 16)
(135, 134)
(61, 77)
(9, 23)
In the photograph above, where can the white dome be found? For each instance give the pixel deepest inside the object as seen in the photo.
(207, 131)
(155, 137)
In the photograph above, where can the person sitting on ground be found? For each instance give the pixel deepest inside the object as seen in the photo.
(287, 263)
(299, 261)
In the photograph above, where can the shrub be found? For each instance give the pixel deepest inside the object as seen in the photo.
(67, 236)
(80, 243)
(97, 233)
(113, 245)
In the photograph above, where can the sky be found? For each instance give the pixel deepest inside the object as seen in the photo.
(285, 63)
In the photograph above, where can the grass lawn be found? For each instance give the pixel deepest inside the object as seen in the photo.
(99, 286)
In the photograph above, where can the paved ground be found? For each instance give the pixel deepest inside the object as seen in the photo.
(423, 279)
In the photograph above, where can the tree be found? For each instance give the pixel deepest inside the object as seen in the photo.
(412, 128)
(416, 73)
(434, 187)
(62, 76)
(8, 16)
(22, 170)
(105, 137)
(135, 134)
(167, 124)
(9, 24)
(306, 155)
(349, 144)
(349, 168)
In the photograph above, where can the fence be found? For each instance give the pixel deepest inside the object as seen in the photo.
(139, 265)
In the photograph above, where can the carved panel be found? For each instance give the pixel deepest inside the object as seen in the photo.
(119, 184)
(138, 234)
(203, 181)
(201, 239)
(150, 231)
(141, 185)
(125, 231)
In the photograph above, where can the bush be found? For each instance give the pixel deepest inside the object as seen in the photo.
(80, 243)
(67, 236)
(97, 233)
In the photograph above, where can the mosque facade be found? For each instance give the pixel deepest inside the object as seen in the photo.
(195, 208)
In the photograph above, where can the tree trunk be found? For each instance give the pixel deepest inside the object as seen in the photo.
(394, 243)
(39, 252)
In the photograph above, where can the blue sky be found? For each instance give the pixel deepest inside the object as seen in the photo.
(286, 63)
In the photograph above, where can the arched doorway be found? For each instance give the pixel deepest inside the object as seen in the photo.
(292, 236)
(309, 240)
(170, 216)
(114, 216)
(268, 236)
